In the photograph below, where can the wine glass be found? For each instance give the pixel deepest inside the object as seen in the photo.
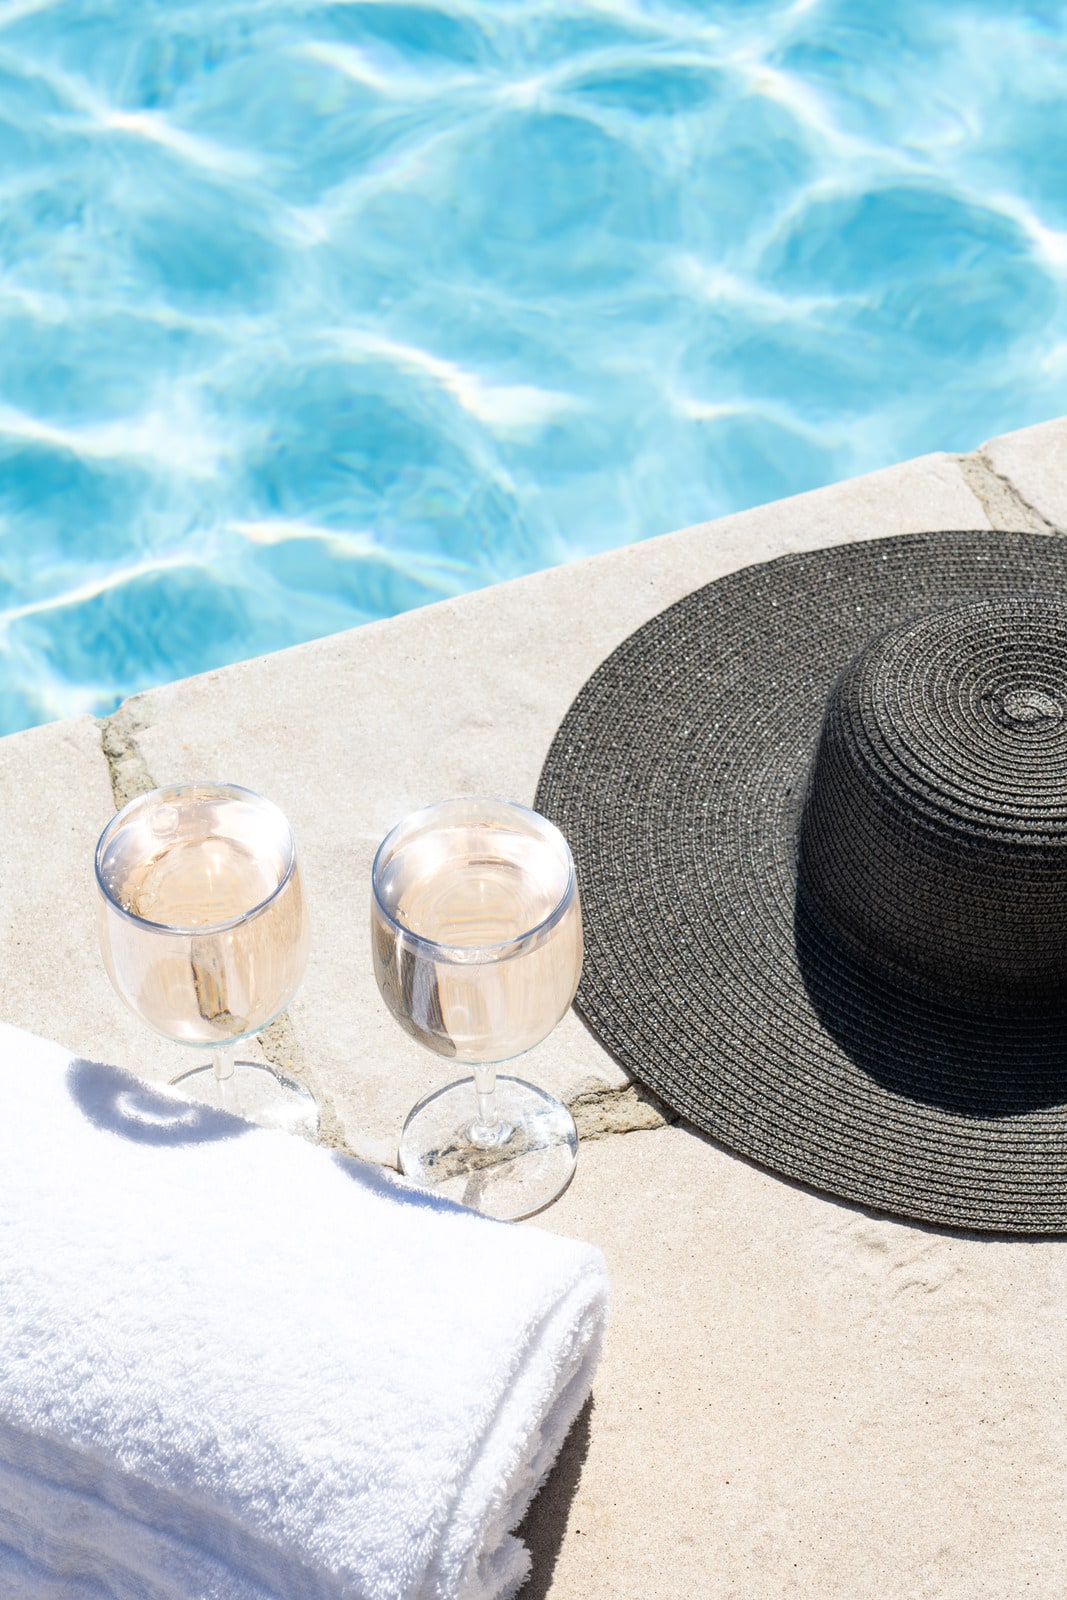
(477, 942)
(204, 934)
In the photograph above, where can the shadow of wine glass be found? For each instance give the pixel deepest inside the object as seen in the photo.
(117, 1102)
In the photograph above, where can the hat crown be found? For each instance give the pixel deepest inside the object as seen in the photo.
(934, 832)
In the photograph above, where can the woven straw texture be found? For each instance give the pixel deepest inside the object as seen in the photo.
(823, 869)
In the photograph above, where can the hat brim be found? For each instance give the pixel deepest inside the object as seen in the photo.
(677, 777)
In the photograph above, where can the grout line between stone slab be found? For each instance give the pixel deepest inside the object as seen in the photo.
(600, 1111)
(283, 1050)
(126, 765)
(1008, 510)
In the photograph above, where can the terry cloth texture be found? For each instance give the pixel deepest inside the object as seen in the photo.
(818, 811)
(234, 1367)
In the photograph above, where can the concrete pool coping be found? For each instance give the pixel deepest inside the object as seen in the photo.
(798, 1398)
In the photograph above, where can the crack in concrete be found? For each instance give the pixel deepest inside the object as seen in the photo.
(126, 765)
(1008, 510)
(283, 1051)
(331, 1134)
(600, 1110)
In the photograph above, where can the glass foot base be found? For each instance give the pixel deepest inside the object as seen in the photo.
(256, 1092)
(521, 1174)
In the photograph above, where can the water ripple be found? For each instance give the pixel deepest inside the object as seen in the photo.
(314, 310)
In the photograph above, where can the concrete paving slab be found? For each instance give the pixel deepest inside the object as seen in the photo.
(1033, 464)
(801, 1399)
(797, 1398)
(349, 733)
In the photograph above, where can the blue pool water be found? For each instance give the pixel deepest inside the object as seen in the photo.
(313, 312)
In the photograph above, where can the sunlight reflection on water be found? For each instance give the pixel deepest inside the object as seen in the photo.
(312, 313)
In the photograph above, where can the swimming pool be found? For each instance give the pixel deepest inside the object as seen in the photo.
(310, 313)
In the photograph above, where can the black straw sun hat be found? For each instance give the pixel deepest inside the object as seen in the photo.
(819, 815)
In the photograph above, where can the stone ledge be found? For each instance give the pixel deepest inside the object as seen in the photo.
(797, 1398)
(349, 732)
(1033, 462)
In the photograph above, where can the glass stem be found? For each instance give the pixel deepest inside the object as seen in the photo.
(224, 1063)
(487, 1128)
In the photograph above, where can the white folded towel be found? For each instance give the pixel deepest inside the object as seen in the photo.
(235, 1367)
